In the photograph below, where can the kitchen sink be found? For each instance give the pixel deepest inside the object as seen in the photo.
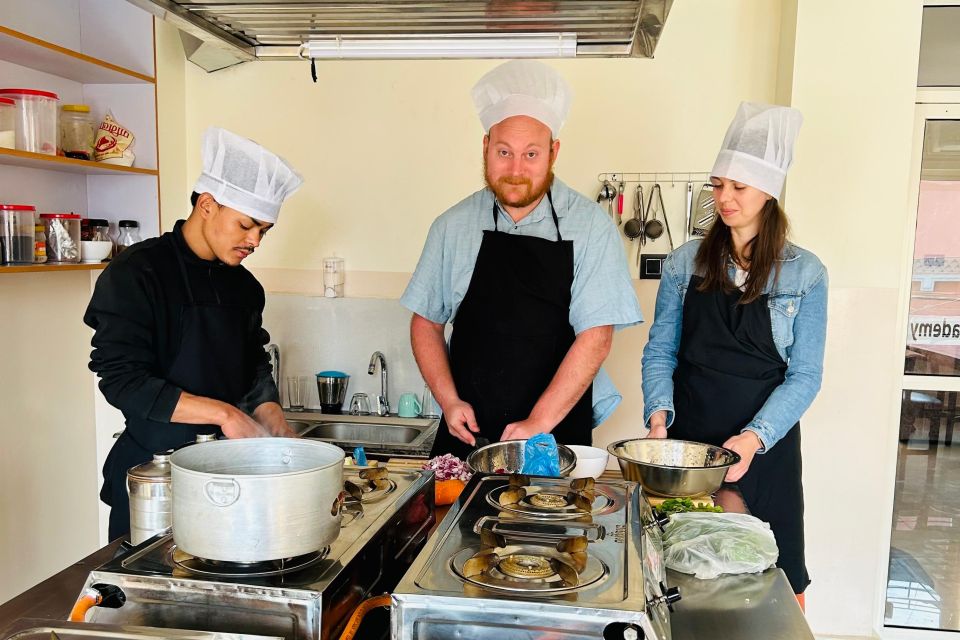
(374, 433)
(383, 433)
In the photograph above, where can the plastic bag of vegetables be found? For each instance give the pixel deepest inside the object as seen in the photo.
(710, 544)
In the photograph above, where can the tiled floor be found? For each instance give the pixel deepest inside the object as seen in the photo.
(923, 589)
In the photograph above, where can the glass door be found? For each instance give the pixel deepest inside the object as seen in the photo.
(923, 584)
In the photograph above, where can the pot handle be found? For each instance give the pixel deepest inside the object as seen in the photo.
(222, 492)
(338, 503)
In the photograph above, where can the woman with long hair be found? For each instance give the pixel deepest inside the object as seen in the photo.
(735, 354)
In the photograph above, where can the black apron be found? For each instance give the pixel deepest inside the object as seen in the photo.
(210, 362)
(727, 367)
(510, 335)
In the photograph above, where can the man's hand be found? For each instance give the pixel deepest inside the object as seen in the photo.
(658, 425)
(270, 416)
(523, 430)
(461, 421)
(746, 444)
(240, 425)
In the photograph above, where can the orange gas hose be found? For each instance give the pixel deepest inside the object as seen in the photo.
(357, 616)
(88, 600)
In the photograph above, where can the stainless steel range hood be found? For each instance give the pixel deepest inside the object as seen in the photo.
(220, 33)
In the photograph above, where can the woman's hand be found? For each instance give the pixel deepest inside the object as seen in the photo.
(746, 444)
(658, 425)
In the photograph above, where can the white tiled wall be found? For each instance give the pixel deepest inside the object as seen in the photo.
(315, 334)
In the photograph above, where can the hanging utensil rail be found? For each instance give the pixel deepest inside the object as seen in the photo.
(654, 176)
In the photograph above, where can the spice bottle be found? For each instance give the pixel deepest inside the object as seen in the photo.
(129, 234)
(39, 243)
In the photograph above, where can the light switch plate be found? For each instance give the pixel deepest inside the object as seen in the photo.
(651, 265)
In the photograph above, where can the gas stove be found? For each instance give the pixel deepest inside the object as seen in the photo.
(386, 520)
(526, 557)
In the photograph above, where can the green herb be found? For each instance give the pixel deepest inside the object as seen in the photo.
(683, 505)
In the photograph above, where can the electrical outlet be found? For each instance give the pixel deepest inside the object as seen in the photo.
(651, 265)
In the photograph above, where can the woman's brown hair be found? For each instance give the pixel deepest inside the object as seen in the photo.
(760, 256)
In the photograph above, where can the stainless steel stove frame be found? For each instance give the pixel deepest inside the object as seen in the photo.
(368, 557)
(432, 602)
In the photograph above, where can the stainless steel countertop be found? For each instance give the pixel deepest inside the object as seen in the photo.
(760, 605)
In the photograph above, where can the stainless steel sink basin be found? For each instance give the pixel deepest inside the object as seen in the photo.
(380, 433)
(371, 432)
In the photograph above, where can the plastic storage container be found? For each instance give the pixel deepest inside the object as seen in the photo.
(35, 119)
(129, 234)
(16, 233)
(63, 237)
(77, 131)
(8, 119)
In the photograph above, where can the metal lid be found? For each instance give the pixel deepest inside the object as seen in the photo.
(206, 437)
(128, 223)
(157, 470)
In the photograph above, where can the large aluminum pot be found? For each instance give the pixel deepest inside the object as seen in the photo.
(673, 468)
(256, 499)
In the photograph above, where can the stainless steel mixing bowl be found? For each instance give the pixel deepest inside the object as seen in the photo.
(507, 457)
(673, 468)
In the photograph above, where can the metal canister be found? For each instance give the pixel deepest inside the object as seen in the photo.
(151, 501)
(151, 496)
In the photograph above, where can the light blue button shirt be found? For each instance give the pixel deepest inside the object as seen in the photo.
(601, 294)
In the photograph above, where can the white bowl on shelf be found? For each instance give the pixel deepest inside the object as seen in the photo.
(92, 251)
(591, 461)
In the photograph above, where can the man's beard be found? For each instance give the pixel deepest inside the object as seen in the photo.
(531, 194)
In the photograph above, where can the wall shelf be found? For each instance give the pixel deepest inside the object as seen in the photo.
(32, 160)
(28, 51)
(41, 268)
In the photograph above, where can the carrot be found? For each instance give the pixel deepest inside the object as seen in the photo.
(447, 491)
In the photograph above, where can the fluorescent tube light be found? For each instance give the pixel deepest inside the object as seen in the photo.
(536, 45)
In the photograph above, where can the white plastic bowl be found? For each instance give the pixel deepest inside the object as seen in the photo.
(95, 250)
(591, 461)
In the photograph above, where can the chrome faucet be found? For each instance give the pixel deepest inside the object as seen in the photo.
(273, 351)
(383, 402)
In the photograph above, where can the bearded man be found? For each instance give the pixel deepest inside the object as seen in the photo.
(531, 274)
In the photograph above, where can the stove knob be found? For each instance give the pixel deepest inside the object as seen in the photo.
(661, 519)
(670, 595)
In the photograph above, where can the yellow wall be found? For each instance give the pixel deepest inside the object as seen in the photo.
(48, 465)
(854, 79)
(387, 146)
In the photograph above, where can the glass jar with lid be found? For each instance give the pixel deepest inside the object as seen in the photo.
(129, 234)
(8, 123)
(77, 131)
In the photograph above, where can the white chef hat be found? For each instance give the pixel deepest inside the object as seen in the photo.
(758, 147)
(242, 175)
(522, 88)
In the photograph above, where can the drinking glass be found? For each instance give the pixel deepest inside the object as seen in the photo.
(360, 404)
(297, 387)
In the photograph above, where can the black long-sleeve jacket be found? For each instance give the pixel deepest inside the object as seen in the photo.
(135, 313)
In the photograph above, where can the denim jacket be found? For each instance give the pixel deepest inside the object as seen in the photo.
(798, 318)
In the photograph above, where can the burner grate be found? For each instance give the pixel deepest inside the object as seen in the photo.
(220, 569)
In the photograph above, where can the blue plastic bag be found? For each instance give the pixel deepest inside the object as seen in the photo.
(540, 456)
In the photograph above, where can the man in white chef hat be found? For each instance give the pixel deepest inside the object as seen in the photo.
(178, 342)
(532, 275)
